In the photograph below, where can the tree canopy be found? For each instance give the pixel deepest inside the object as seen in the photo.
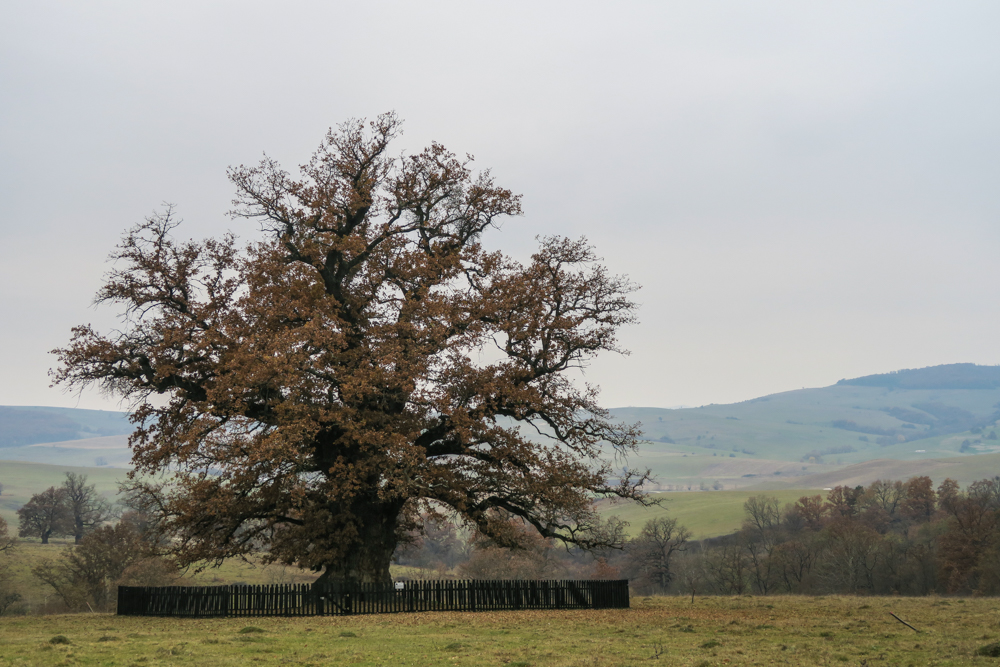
(310, 393)
(46, 514)
(87, 509)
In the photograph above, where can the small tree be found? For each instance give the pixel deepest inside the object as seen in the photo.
(794, 560)
(435, 543)
(604, 570)
(762, 516)
(728, 569)
(853, 552)
(920, 500)
(86, 575)
(46, 515)
(808, 512)
(651, 553)
(8, 596)
(844, 501)
(87, 508)
(758, 537)
(7, 541)
(534, 558)
(887, 495)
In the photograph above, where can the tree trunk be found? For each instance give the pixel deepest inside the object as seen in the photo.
(368, 558)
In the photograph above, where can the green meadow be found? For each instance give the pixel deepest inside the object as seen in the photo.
(40, 598)
(23, 480)
(670, 631)
(705, 514)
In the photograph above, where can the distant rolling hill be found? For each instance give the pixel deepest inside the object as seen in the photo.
(111, 451)
(910, 415)
(942, 421)
(22, 426)
(795, 439)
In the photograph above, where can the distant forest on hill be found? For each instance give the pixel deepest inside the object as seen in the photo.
(947, 376)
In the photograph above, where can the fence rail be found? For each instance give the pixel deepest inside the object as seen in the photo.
(341, 599)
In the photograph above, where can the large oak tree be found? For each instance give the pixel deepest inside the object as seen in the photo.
(365, 361)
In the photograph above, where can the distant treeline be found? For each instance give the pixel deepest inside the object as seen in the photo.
(947, 376)
(891, 537)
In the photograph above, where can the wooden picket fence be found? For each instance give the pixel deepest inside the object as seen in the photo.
(341, 599)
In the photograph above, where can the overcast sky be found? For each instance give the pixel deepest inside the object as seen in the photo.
(805, 191)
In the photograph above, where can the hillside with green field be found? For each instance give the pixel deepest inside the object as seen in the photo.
(706, 514)
(934, 413)
(108, 451)
(711, 513)
(940, 422)
(64, 436)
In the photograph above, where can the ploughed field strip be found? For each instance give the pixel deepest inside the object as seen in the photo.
(344, 599)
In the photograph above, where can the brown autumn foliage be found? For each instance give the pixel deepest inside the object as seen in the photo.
(312, 393)
(970, 549)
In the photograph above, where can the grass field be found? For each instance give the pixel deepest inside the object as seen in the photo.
(669, 631)
(23, 480)
(706, 514)
(40, 598)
